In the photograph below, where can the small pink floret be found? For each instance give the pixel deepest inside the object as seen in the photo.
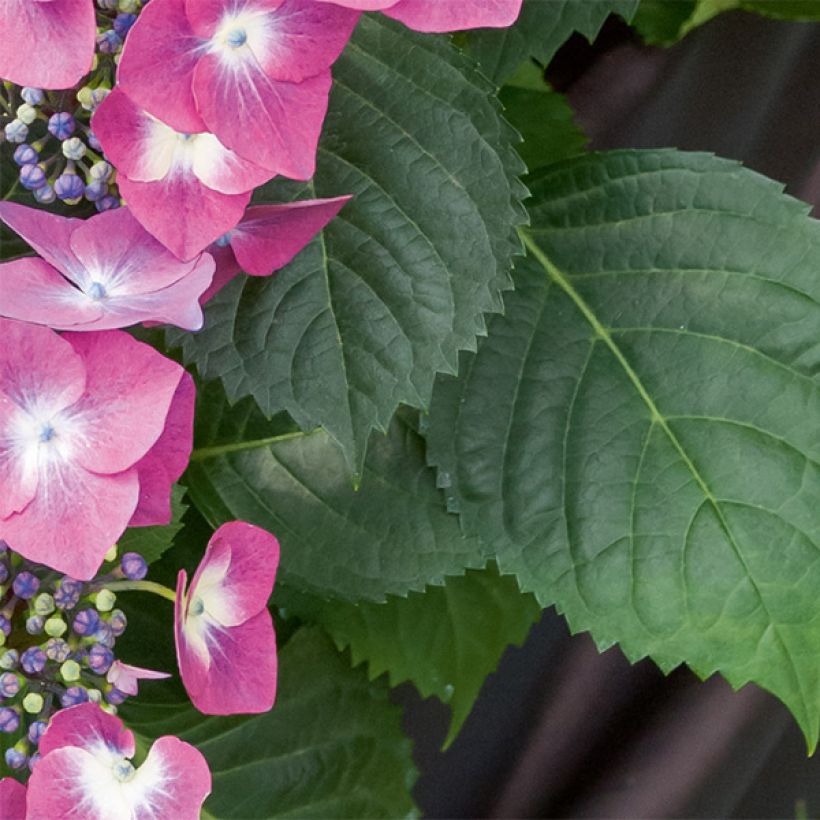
(126, 677)
(226, 645)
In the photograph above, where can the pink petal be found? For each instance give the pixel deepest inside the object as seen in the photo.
(125, 677)
(274, 124)
(251, 555)
(86, 726)
(129, 388)
(363, 5)
(165, 462)
(182, 213)
(48, 45)
(31, 290)
(12, 799)
(291, 40)
(226, 269)
(157, 64)
(48, 234)
(271, 235)
(73, 520)
(435, 16)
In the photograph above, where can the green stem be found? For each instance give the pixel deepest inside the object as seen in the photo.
(144, 586)
(202, 453)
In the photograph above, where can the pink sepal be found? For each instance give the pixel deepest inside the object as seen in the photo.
(12, 799)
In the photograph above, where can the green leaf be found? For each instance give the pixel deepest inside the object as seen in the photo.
(541, 29)
(152, 542)
(390, 536)
(542, 116)
(366, 315)
(640, 433)
(332, 745)
(446, 640)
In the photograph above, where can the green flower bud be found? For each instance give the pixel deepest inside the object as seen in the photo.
(70, 671)
(44, 604)
(105, 600)
(111, 555)
(55, 627)
(33, 703)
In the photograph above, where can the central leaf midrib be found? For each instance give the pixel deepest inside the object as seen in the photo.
(656, 417)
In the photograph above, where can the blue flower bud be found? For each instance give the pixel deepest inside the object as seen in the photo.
(93, 142)
(86, 622)
(32, 177)
(25, 155)
(4, 573)
(61, 125)
(107, 203)
(9, 684)
(9, 720)
(57, 650)
(100, 659)
(69, 187)
(74, 695)
(9, 659)
(104, 634)
(33, 96)
(33, 660)
(26, 585)
(109, 42)
(68, 593)
(96, 190)
(35, 731)
(133, 566)
(118, 622)
(123, 22)
(115, 697)
(16, 131)
(33, 761)
(101, 171)
(15, 759)
(45, 195)
(35, 624)
(5, 625)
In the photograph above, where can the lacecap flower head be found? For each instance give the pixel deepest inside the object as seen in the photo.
(94, 429)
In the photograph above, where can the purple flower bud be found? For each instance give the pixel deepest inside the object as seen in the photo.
(116, 696)
(118, 622)
(5, 625)
(15, 759)
(9, 720)
(96, 190)
(45, 195)
(32, 177)
(35, 624)
(9, 659)
(4, 573)
(4, 547)
(107, 203)
(69, 186)
(61, 125)
(9, 684)
(122, 24)
(104, 634)
(86, 622)
(57, 650)
(24, 154)
(33, 660)
(33, 761)
(68, 593)
(74, 695)
(133, 566)
(35, 731)
(100, 659)
(109, 42)
(33, 96)
(26, 585)
(92, 141)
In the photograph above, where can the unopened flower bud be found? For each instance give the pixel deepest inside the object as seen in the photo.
(36, 730)
(107, 203)
(16, 131)
(9, 684)
(33, 761)
(100, 171)
(128, 6)
(45, 195)
(33, 703)
(32, 177)
(100, 659)
(9, 720)
(70, 671)
(57, 650)
(115, 696)
(85, 622)
(118, 622)
(33, 660)
(74, 695)
(95, 696)
(74, 148)
(95, 191)
(34, 624)
(105, 600)
(26, 585)
(33, 96)
(69, 187)
(44, 604)
(61, 125)
(9, 659)
(55, 626)
(133, 566)
(26, 113)
(25, 155)
(15, 759)
(5, 625)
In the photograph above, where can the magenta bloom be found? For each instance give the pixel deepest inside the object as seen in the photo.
(442, 15)
(253, 72)
(268, 237)
(186, 189)
(101, 273)
(12, 799)
(94, 428)
(46, 43)
(126, 677)
(86, 773)
(226, 646)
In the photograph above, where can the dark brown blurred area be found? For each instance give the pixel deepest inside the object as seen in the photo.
(559, 730)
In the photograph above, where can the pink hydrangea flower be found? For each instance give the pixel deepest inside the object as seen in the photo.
(12, 799)
(442, 15)
(185, 188)
(268, 237)
(126, 677)
(253, 72)
(94, 428)
(98, 274)
(226, 646)
(85, 772)
(46, 43)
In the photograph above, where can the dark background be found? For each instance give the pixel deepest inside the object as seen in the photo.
(559, 730)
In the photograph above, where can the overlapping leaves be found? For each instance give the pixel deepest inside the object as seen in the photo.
(639, 435)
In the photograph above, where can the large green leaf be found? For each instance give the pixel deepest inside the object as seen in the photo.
(446, 640)
(639, 435)
(390, 536)
(332, 745)
(541, 29)
(365, 316)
